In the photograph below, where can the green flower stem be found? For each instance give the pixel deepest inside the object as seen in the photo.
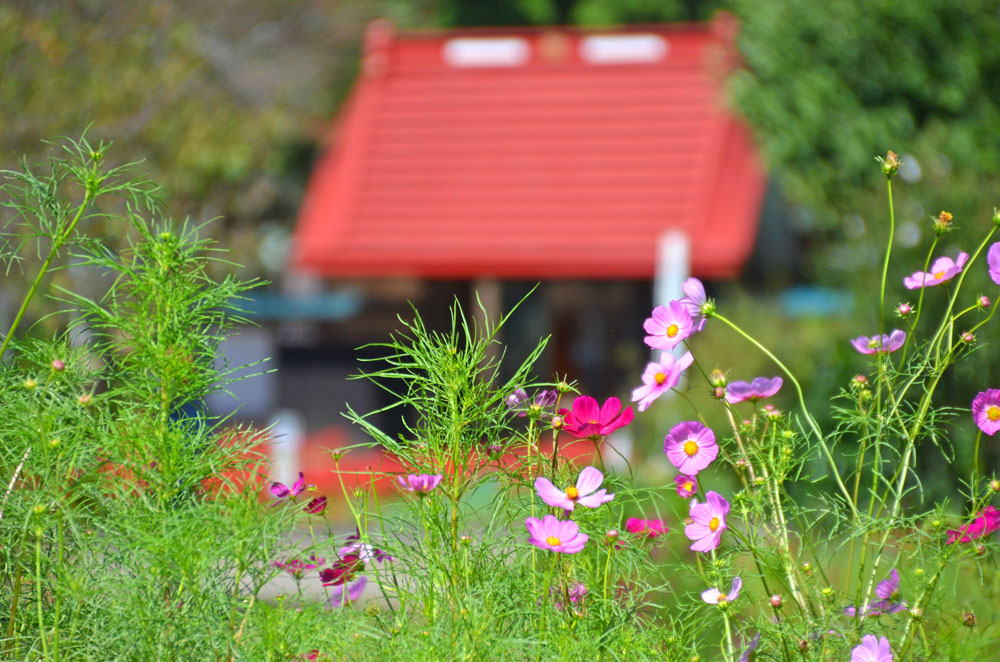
(38, 591)
(975, 462)
(802, 404)
(885, 263)
(57, 243)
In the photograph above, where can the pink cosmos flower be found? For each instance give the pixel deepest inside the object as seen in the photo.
(419, 484)
(993, 262)
(751, 647)
(650, 528)
(364, 551)
(714, 596)
(343, 570)
(943, 270)
(316, 506)
(555, 535)
(986, 411)
(588, 421)
(880, 344)
(687, 486)
(887, 591)
(872, 649)
(690, 446)
(584, 493)
(660, 377)
(709, 521)
(985, 524)
(693, 301)
(668, 326)
(758, 389)
(296, 567)
(345, 594)
(283, 492)
(576, 594)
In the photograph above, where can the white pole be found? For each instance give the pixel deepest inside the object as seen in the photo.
(673, 267)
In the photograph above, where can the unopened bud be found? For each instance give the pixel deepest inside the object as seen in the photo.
(465, 539)
(776, 601)
(759, 480)
(557, 422)
(968, 337)
(563, 387)
(708, 308)
(916, 613)
(919, 572)
(980, 549)
(58, 365)
(996, 216)
(717, 378)
(53, 443)
(771, 412)
(904, 310)
(741, 464)
(859, 381)
(803, 645)
(39, 508)
(995, 485)
(968, 619)
(719, 393)
(84, 399)
(942, 223)
(890, 164)
(30, 384)
(612, 535)
(807, 568)
(983, 301)
(827, 592)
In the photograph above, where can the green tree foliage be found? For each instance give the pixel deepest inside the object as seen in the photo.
(828, 85)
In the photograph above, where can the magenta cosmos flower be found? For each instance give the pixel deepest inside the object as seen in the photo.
(993, 262)
(687, 486)
(985, 524)
(751, 647)
(316, 506)
(650, 528)
(943, 270)
(694, 301)
(880, 344)
(419, 484)
(668, 326)
(757, 389)
(660, 377)
(555, 535)
(709, 521)
(296, 567)
(587, 420)
(872, 649)
(283, 492)
(986, 411)
(690, 446)
(714, 596)
(887, 591)
(584, 493)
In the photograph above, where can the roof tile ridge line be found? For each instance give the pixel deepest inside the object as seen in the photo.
(698, 28)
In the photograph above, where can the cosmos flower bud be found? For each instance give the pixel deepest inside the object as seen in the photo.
(30, 384)
(995, 485)
(942, 223)
(719, 393)
(84, 399)
(807, 568)
(557, 422)
(53, 443)
(968, 619)
(776, 601)
(996, 216)
(916, 613)
(968, 337)
(919, 572)
(717, 378)
(563, 387)
(804, 643)
(890, 164)
(58, 365)
(980, 549)
(983, 301)
(904, 310)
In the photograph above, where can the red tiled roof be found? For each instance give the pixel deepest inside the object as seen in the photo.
(548, 165)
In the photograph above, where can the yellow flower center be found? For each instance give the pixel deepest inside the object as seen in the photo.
(691, 448)
(993, 413)
(672, 330)
(553, 541)
(938, 275)
(722, 598)
(660, 378)
(592, 421)
(572, 492)
(688, 486)
(713, 524)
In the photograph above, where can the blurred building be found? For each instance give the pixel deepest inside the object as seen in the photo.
(484, 161)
